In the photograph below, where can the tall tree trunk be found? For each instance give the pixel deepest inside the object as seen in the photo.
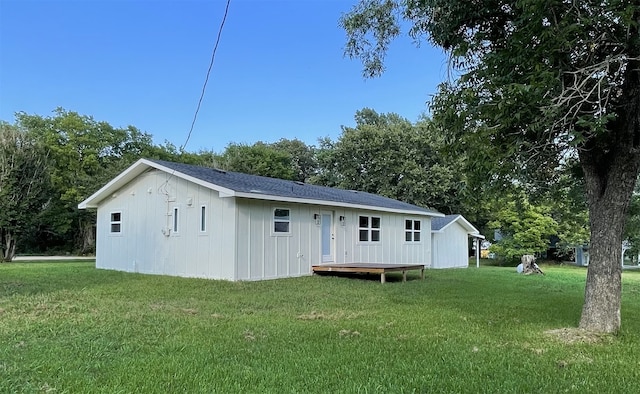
(610, 162)
(7, 245)
(603, 291)
(88, 237)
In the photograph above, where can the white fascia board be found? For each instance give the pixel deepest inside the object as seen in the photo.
(116, 183)
(134, 171)
(224, 192)
(269, 197)
(475, 235)
(471, 230)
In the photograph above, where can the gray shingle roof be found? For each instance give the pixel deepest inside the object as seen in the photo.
(254, 184)
(439, 223)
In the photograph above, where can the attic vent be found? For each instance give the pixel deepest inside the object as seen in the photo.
(353, 191)
(219, 170)
(299, 183)
(255, 191)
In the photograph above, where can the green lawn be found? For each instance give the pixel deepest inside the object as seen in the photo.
(67, 327)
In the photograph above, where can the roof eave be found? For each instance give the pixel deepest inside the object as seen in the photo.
(270, 197)
(115, 184)
(134, 171)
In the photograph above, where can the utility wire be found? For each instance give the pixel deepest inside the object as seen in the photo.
(204, 86)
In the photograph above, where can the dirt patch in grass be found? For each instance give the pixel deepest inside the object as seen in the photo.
(576, 335)
(338, 315)
(348, 333)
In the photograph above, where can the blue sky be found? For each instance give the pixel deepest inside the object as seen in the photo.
(279, 70)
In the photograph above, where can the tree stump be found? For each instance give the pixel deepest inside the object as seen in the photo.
(529, 266)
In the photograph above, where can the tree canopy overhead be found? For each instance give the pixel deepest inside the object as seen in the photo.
(541, 83)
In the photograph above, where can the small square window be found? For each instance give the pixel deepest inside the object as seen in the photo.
(364, 221)
(364, 235)
(412, 230)
(369, 229)
(375, 235)
(281, 227)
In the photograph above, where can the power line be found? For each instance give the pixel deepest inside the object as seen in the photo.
(204, 86)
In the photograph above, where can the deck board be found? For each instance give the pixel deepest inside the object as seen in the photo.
(371, 268)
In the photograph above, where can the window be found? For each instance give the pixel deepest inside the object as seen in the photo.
(115, 221)
(175, 219)
(203, 218)
(412, 230)
(281, 221)
(369, 228)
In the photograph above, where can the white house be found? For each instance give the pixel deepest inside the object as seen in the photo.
(450, 241)
(159, 217)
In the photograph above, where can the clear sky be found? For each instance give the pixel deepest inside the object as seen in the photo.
(279, 70)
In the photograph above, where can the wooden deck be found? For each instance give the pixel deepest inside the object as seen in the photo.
(370, 268)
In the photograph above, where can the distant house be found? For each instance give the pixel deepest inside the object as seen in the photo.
(160, 217)
(450, 241)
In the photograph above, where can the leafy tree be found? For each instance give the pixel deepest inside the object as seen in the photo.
(24, 185)
(257, 159)
(388, 155)
(525, 228)
(568, 208)
(540, 81)
(302, 157)
(85, 154)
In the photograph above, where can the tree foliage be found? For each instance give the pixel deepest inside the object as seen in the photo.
(24, 186)
(525, 228)
(84, 155)
(257, 159)
(388, 155)
(302, 158)
(539, 82)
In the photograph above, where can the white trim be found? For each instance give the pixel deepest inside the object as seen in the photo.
(335, 204)
(136, 169)
(471, 230)
(143, 165)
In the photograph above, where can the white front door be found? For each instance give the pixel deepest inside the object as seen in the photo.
(327, 236)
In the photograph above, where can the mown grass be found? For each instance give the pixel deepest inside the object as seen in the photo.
(67, 327)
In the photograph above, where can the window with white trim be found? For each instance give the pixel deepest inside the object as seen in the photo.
(175, 219)
(412, 230)
(369, 228)
(281, 221)
(203, 218)
(115, 222)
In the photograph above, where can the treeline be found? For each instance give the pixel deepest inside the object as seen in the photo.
(50, 164)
